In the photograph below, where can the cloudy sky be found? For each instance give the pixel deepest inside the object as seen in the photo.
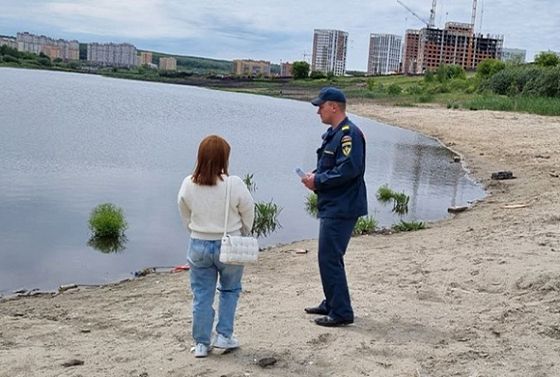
(271, 30)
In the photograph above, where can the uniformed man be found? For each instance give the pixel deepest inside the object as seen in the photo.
(339, 184)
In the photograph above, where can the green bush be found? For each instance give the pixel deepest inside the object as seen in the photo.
(456, 85)
(447, 72)
(311, 204)
(44, 61)
(315, 75)
(534, 105)
(107, 220)
(547, 84)
(364, 225)
(429, 76)
(409, 226)
(266, 213)
(10, 59)
(414, 89)
(488, 68)
(266, 218)
(425, 98)
(547, 59)
(394, 90)
(400, 199)
(528, 80)
(370, 84)
(300, 70)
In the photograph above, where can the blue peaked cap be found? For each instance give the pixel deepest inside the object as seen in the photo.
(329, 93)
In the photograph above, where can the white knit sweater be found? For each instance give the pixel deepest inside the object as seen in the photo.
(202, 208)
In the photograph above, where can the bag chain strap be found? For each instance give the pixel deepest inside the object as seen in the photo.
(228, 194)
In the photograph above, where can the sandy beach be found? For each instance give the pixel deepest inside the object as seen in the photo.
(475, 295)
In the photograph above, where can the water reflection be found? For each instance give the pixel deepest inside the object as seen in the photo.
(108, 244)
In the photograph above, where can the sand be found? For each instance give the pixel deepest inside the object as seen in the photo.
(475, 295)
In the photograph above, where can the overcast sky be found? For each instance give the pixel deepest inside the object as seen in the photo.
(271, 30)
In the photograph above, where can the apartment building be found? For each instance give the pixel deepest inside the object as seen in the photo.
(8, 41)
(329, 51)
(168, 64)
(514, 55)
(145, 58)
(251, 68)
(455, 44)
(286, 70)
(111, 54)
(53, 48)
(384, 54)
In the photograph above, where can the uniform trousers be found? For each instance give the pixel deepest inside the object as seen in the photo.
(334, 236)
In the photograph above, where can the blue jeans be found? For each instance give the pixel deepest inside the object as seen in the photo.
(203, 257)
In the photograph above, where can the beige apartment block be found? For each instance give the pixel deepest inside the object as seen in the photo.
(8, 41)
(251, 68)
(54, 48)
(112, 55)
(53, 52)
(145, 58)
(286, 70)
(168, 64)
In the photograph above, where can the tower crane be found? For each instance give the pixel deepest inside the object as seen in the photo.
(432, 20)
(433, 14)
(473, 16)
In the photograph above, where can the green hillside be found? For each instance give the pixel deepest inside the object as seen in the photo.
(195, 64)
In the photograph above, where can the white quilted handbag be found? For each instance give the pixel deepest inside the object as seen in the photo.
(237, 249)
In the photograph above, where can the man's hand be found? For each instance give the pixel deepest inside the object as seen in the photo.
(309, 181)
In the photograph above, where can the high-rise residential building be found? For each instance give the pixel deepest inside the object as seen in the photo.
(145, 58)
(514, 55)
(384, 54)
(168, 64)
(54, 48)
(455, 44)
(8, 41)
(251, 67)
(329, 51)
(111, 54)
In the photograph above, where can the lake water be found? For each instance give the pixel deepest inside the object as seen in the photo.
(69, 142)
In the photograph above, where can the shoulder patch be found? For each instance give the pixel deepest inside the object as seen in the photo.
(346, 143)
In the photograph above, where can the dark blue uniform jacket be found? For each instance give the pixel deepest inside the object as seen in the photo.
(339, 178)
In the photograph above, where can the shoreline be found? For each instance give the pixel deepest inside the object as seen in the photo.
(473, 295)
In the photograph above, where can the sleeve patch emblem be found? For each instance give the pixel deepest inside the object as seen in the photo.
(346, 148)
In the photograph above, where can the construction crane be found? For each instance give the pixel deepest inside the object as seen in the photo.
(432, 20)
(433, 14)
(473, 16)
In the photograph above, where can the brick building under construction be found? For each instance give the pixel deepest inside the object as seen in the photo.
(428, 48)
(457, 43)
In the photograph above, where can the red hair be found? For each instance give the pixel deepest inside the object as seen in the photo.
(212, 160)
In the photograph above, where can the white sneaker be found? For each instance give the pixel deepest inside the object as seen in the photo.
(200, 350)
(221, 341)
